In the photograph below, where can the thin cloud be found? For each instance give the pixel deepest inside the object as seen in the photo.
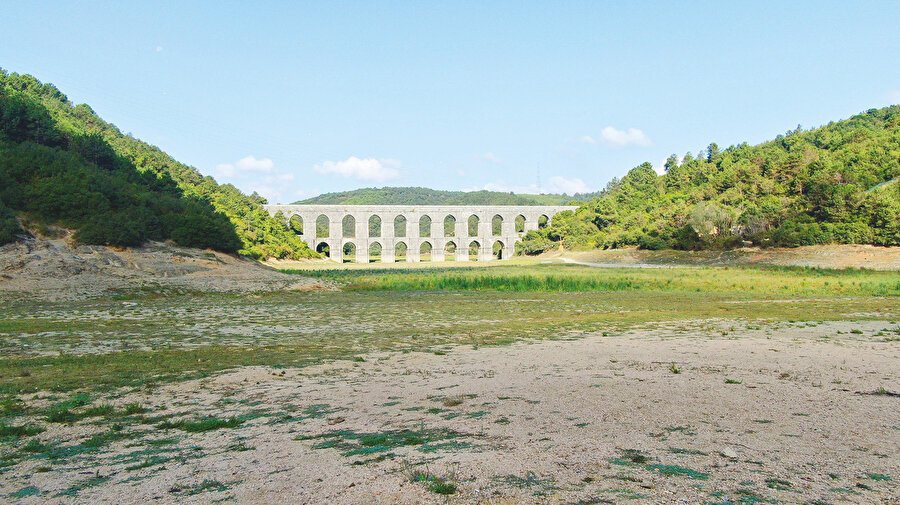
(368, 169)
(491, 158)
(612, 137)
(556, 184)
(246, 164)
(568, 186)
(894, 97)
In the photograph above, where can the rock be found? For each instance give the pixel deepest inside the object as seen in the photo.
(728, 452)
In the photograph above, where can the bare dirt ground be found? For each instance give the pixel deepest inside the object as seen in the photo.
(823, 256)
(54, 270)
(735, 413)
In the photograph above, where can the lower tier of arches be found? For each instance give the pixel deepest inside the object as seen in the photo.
(415, 250)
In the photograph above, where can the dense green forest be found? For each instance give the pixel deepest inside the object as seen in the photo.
(834, 184)
(62, 164)
(426, 196)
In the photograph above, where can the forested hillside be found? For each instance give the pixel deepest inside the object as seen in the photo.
(62, 164)
(834, 184)
(425, 196)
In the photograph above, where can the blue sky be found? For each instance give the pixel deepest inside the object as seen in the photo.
(293, 99)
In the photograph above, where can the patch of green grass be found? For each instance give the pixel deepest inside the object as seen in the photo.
(631, 457)
(10, 406)
(208, 485)
(779, 484)
(732, 381)
(149, 462)
(25, 492)
(435, 484)
(748, 496)
(530, 479)
(675, 450)
(77, 487)
(452, 445)
(684, 430)
(27, 430)
(878, 476)
(135, 408)
(351, 443)
(105, 410)
(678, 471)
(202, 425)
(62, 415)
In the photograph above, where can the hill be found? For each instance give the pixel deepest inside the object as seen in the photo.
(61, 164)
(833, 184)
(426, 196)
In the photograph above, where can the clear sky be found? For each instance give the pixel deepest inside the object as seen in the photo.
(293, 99)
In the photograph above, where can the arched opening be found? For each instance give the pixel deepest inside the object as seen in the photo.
(374, 252)
(400, 226)
(322, 226)
(400, 251)
(474, 248)
(349, 252)
(473, 225)
(425, 251)
(497, 225)
(498, 250)
(543, 221)
(375, 226)
(348, 226)
(450, 251)
(450, 226)
(424, 226)
(323, 249)
(295, 223)
(520, 224)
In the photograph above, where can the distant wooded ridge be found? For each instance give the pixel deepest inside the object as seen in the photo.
(427, 196)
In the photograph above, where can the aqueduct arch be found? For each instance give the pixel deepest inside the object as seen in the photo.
(376, 229)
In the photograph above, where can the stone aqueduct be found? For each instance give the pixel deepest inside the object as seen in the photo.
(424, 231)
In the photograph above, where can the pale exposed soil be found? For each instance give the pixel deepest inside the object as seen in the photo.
(823, 256)
(544, 423)
(45, 269)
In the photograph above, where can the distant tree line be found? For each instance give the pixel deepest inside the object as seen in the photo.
(834, 184)
(426, 196)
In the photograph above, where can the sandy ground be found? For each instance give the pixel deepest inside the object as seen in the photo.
(54, 270)
(823, 256)
(781, 412)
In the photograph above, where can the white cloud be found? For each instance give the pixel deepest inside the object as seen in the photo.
(612, 137)
(369, 169)
(246, 164)
(490, 157)
(159, 49)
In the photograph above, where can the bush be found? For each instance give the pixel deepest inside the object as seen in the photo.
(9, 227)
(651, 243)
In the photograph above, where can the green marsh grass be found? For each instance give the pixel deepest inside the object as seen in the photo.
(578, 278)
(100, 345)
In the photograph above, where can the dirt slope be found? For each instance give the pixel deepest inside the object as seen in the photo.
(56, 270)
